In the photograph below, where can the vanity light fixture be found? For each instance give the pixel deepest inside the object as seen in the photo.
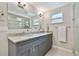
(41, 14)
(21, 5)
(40, 11)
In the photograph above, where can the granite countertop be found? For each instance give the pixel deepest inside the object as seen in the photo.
(19, 38)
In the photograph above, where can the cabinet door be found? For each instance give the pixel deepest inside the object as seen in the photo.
(42, 45)
(34, 51)
(50, 41)
(35, 47)
(45, 45)
(23, 53)
(24, 50)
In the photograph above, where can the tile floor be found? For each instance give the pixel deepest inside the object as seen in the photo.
(58, 52)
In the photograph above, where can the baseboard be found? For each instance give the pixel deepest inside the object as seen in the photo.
(64, 49)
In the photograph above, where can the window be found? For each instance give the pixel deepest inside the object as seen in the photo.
(57, 18)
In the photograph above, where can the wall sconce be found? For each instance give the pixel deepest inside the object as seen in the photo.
(40, 15)
(21, 5)
(40, 11)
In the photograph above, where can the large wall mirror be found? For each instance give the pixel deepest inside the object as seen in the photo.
(18, 22)
(17, 18)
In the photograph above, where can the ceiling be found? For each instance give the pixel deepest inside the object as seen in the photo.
(49, 5)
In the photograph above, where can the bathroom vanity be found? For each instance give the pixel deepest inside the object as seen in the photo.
(36, 44)
(33, 44)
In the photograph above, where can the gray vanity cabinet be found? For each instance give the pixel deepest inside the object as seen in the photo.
(45, 44)
(33, 47)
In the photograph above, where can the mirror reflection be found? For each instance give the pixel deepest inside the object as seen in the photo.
(36, 22)
(20, 18)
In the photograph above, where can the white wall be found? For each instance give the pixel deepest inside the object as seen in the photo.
(76, 27)
(3, 30)
(67, 10)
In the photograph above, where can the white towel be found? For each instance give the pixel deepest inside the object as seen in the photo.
(62, 37)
